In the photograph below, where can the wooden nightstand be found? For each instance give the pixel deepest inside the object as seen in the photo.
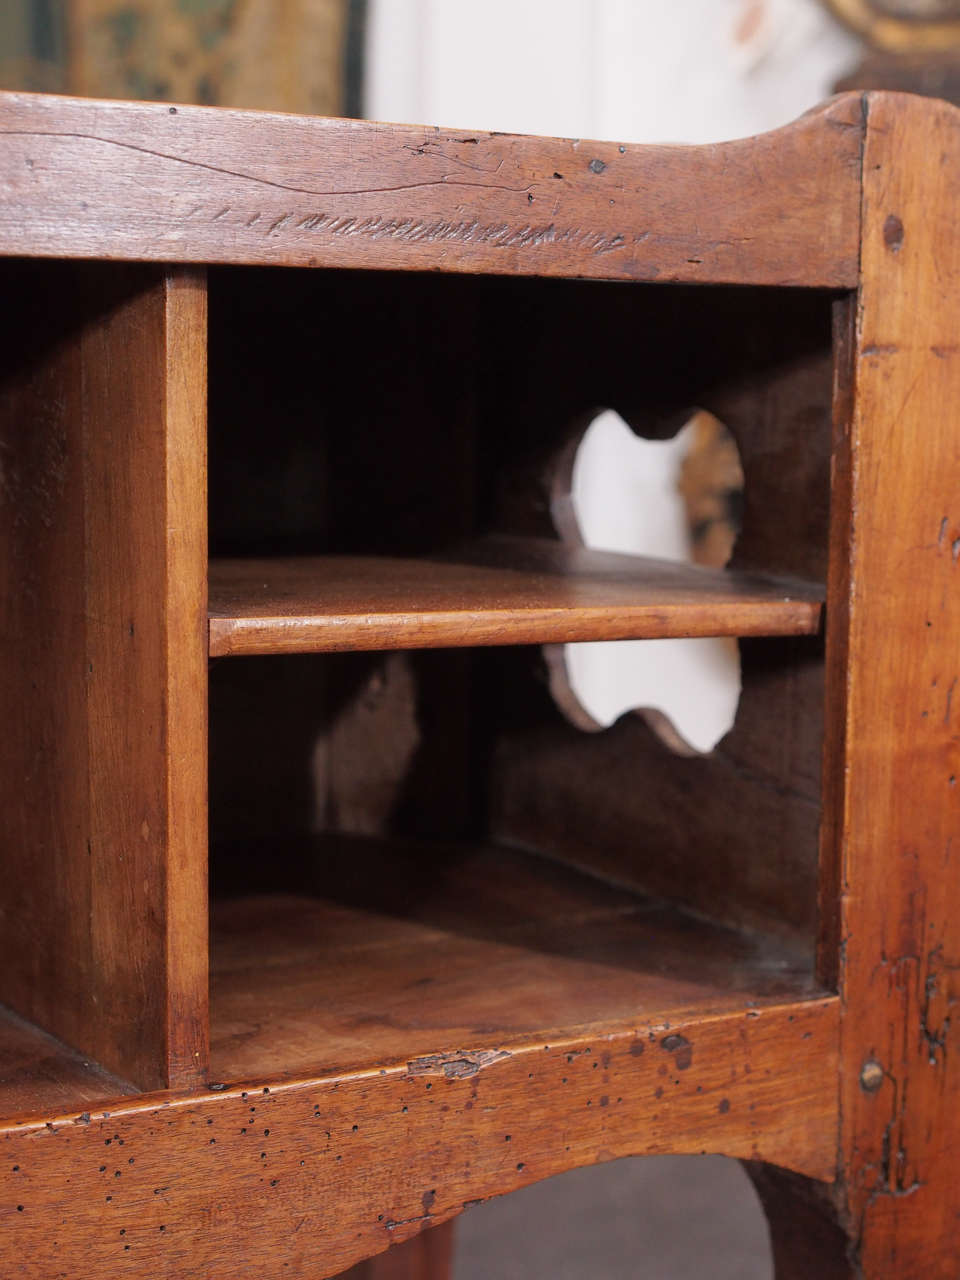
(457, 944)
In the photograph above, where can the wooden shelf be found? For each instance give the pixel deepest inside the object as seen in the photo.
(419, 950)
(38, 1073)
(499, 591)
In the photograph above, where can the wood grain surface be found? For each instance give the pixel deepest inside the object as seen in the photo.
(504, 591)
(309, 1176)
(900, 918)
(805, 1219)
(186, 184)
(830, 871)
(745, 852)
(38, 1072)
(428, 1256)
(401, 1034)
(103, 684)
(410, 948)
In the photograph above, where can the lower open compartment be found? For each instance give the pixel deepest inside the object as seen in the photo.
(458, 945)
(421, 853)
(402, 952)
(419, 864)
(396, 879)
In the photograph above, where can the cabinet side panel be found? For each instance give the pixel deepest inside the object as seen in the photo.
(837, 642)
(103, 777)
(900, 961)
(45, 888)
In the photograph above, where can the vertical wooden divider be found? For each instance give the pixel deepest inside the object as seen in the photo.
(187, 1009)
(103, 919)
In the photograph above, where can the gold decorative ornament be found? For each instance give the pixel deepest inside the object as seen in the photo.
(903, 26)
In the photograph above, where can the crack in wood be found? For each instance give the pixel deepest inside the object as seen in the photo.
(445, 180)
(459, 1065)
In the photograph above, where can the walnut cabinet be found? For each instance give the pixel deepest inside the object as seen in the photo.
(322, 916)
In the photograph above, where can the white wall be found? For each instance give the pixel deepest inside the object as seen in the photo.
(631, 71)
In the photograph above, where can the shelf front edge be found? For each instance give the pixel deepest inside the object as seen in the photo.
(370, 1159)
(234, 637)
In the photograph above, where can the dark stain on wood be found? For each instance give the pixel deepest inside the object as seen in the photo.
(893, 233)
(681, 1048)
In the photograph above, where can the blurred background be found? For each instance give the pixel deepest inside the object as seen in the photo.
(692, 71)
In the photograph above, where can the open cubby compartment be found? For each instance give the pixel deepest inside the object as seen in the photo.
(438, 814)
(417, 853)
(392, 455)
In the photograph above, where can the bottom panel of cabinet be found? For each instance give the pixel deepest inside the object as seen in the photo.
(408, 1029)
(394, 952)
(39, 1073)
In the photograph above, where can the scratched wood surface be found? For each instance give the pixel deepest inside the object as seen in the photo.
(503, 591)
(901, 804)
(187, 184)
(102, 678)
(310, 1176)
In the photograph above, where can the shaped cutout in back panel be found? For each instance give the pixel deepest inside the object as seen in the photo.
(676, 499)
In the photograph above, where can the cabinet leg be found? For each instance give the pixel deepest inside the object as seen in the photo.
(426, 1257)
(806, 1231)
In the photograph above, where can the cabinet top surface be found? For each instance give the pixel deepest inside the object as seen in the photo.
(82, 178)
